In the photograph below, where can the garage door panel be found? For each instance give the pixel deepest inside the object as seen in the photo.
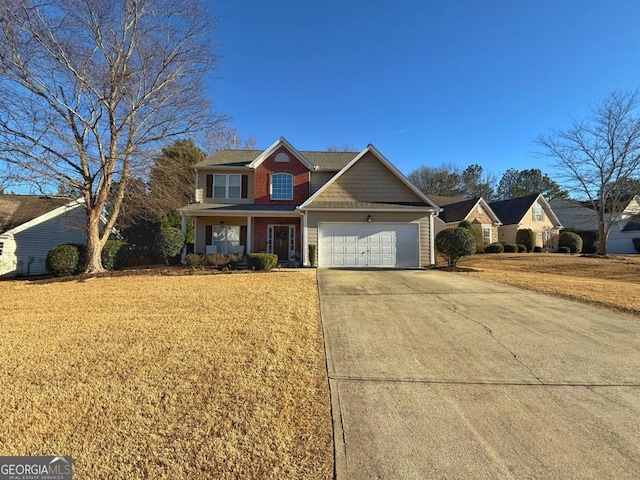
(368, 245)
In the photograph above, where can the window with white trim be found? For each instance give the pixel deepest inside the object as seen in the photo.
(227, 186)
(486, 234)
(226, 239)
(281, 186)
(537, 213)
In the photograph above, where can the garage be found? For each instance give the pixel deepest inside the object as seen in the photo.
(368, 245)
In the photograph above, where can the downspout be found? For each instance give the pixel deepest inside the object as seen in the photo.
(432, 251)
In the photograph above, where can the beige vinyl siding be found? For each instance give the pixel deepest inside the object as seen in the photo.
(368, 180)
(313, 218)
(319, 179)
(201, 184)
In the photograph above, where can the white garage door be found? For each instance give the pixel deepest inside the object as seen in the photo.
(368, 245)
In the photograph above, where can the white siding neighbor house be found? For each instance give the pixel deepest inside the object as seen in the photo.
(625, 228)
(31, 225)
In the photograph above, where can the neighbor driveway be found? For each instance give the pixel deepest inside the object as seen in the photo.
(437, 375)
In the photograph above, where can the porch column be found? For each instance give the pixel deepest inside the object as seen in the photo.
(432, 250)
(184, 230)
(249, 233)
(303, 247)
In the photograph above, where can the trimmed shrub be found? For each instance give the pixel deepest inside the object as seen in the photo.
(193, 259)
(262, 261)
(570, 240)
(495, 247)
(114, 255)
(636, 243)
(589, 239)
(526, 237)
(168, 242)
(312, 255)
(222, 260)
(522, 248)
(564, 250)
(537, 249)
(465, 224)
(455, 243)
(510, 248)
(63, 260)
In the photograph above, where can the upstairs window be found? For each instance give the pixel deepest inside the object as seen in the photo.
(537, 213)
(227, 186)
(281, 186)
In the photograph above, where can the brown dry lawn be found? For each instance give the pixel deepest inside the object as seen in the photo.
(180, 377)
(612, 282)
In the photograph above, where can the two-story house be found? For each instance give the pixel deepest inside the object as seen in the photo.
(531, 211)
(355, 207)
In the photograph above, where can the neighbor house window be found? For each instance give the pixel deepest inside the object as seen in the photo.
(281, 186)
(1, 247)
(486, 235)
(537, 213)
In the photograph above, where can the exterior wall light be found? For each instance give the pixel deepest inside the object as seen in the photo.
(369, 218)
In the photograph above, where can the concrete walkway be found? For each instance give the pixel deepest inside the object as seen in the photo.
(436, 375)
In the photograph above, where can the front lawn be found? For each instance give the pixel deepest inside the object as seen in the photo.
(176, 377)
(612, 282)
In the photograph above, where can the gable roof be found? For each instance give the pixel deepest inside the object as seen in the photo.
(513, 210)
(572, 214)
(281, 142)
(457, 209)
(17, 210)
(334, 161)
(373, 150)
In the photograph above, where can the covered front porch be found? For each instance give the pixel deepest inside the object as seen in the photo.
(217, 230)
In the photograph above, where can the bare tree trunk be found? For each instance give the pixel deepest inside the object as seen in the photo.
(93, 260)
(602, 235)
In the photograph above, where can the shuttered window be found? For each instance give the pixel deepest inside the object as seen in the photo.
(227, 186)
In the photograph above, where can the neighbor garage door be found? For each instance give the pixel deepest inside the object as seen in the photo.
(368, 245)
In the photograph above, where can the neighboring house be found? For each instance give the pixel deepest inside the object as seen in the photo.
(625, 229)
(357, 208)
(576, 217)
(31, 225)
(533, 212)
(475, 210)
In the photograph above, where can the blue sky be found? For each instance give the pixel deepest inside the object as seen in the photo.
(426, 82)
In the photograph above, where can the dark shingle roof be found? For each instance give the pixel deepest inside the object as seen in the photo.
(18, 209)
(236, 207)
(633, 223)
(242, 158)
(456, 211)
(511, 211)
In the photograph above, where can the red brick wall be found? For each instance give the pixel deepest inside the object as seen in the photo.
(260, 231)
(262, 177)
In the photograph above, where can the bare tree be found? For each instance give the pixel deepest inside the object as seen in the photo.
(598, 155)
(90, 88)
(450, 180)
(222, 137)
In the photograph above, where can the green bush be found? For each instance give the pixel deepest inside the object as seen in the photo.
(193, 259)
(168, 242)
(570, 240)
(64, 260)
(114, 255)
(312, 255)
(537, 249)
(510, 248)
(465, 224)
(495, 247)
(564, 250)
(522, 248)
(636, 243)
(455, 243)
(526, 237)
(262, 261)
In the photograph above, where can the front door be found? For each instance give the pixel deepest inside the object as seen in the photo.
(281, 242)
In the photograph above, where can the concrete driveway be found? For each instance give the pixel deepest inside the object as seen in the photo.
(436, 375)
